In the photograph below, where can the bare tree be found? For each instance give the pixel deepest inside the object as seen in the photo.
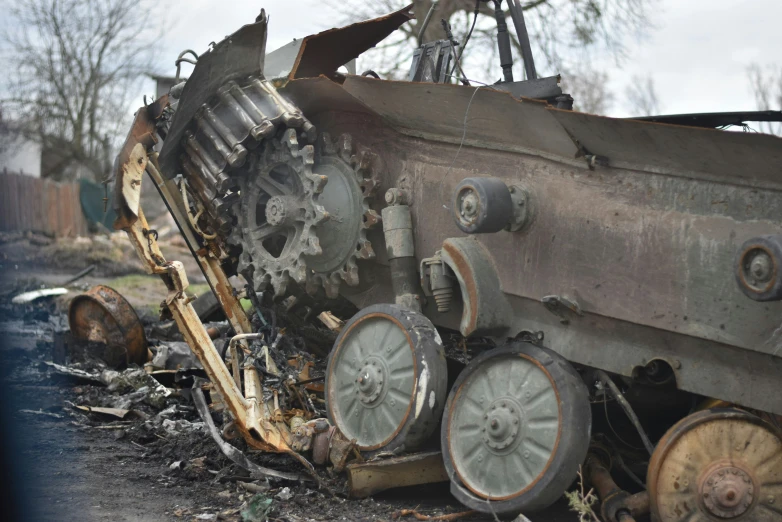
(589, 89)
(559, 30)
(642, 96)
(766, 85)
(6, 135)
(73, 65)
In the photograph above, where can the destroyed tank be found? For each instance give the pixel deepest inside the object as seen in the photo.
(537, 289)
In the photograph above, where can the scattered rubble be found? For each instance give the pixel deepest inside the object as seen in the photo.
(161, 412)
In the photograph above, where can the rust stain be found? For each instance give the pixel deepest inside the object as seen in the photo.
(103, 315)
(469, 284)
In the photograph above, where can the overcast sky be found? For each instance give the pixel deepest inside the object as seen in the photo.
(698, 53)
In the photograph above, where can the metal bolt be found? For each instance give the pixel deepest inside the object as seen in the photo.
(494, 423)
(526, 454)
(504, 405)
(761, 266)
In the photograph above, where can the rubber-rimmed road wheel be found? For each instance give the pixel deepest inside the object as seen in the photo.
(516, 429)
(386, 380)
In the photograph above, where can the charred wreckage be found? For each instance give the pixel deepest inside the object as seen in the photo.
(616, 282)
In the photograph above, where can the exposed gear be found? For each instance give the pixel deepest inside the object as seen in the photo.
(352, 182)
(304, 219)
(277, 214)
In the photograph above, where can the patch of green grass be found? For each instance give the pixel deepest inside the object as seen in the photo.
(133, 281)
(199, 289)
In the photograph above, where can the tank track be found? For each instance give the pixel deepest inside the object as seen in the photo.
(259, 185)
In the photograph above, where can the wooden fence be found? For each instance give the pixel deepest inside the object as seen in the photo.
(40, 205)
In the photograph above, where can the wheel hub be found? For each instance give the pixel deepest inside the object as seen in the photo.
(278, 209)
(371, 380)
(761, 267)
(727, 491)
(469, 205)
(501, 426)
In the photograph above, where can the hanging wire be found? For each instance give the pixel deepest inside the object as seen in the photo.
(461, 143)
(627, 408)
(458, 59)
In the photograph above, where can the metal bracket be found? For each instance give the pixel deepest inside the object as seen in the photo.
(558, 304)
(486, 310)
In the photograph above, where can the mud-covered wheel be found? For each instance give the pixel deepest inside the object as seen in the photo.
(719, 464)
(516, 429)
(386, 379)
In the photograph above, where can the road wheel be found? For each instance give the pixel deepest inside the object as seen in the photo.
(516, 429)
(386, 379)
(718, 464)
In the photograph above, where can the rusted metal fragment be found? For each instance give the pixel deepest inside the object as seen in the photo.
(340, 450)
(210, 266)
(747, 159)
(256, 471)
(485, 310)
(103, 315)
(616, 505)
(325, 52)
(494, 119)
(252, 414)
(368, 478)
(129, 166)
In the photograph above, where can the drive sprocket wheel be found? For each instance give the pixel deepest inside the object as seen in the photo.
(304, 217)
(277, 214)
